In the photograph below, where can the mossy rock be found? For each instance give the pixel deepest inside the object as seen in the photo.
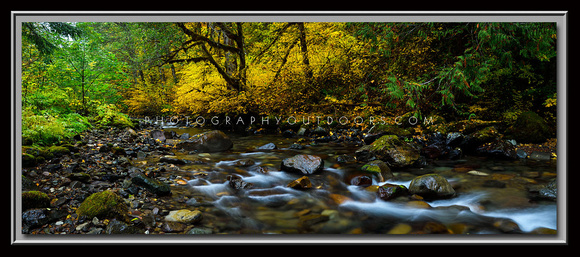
(58, 150)
(34, 199)
(486, 134)
(379, 169)
(530, 128)
(105, 204)
(391, 149)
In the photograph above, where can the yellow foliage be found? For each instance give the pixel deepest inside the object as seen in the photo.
(332, 52)
(552, 101)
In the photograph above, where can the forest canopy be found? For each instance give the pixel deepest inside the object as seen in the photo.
(74, 73)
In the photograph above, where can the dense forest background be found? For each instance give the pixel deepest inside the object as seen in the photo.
(79, 75)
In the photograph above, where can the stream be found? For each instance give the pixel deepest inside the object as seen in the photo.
(488, 201)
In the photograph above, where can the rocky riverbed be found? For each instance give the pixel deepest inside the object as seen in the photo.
(150, 180)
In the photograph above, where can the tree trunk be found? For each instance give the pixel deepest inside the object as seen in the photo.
(242, 54)
(84, 110)
(175, 80)
(304, 50)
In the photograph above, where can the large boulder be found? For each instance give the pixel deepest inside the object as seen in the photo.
(303, 164)
(530, 128)
(431, 186)
(391, 149)
(208, 142)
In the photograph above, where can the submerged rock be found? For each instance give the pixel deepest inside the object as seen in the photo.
(236, 182)
(431, 186)
(268, 146)
(301, 183)
(550, 191)
(303, 163)
(208, 142)
(173, 160)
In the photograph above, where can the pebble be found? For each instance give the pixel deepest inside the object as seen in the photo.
(477, 173)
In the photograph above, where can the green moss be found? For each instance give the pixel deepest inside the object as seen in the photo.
(378, 169)
(391, 130)
(34, 199)
(371, 168)
(385, 141)
(104, 204)
(58, 150)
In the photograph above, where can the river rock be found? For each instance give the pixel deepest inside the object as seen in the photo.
(208, 142)
(431, 186)
(268, 146)
(104, 204)
(118, 227)
(361, 180)
(540, 156)
(379, 169)
(173, 160)
(500, 149)
(301, 183)
(389, 191)
(35, 218)
(303, 163)
(390, 149)
(152, 185)
(550, 191)
(157, 135)
(236, 182)
(184, 216)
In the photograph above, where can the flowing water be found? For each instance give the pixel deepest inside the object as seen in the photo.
(335, 206)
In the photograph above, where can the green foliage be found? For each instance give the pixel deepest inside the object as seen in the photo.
(109, 116)
(50, 127)
(459, 61)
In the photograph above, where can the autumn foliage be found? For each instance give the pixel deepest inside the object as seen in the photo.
(454, 70)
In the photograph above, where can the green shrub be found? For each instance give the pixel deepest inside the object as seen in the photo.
(109, 116)
(48, 128)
